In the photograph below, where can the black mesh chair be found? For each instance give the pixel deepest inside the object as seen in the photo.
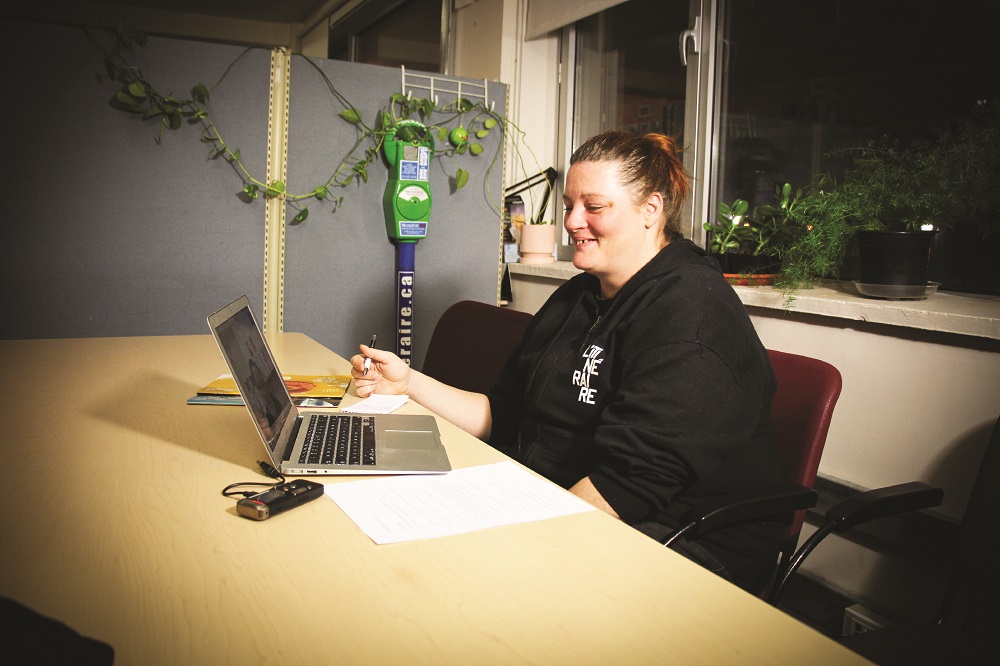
(967, 629)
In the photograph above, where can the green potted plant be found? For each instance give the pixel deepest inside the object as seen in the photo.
(893, 201)
(750, 246)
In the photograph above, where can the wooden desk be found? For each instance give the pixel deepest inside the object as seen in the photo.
(112, 522)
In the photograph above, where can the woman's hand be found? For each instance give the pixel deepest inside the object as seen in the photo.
(387, 374)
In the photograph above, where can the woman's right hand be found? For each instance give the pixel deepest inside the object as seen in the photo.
(387, 374)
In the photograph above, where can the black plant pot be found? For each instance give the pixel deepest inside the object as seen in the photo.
(965, 260)
(894, 257)
(894, 264)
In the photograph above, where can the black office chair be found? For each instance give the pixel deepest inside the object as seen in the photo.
(967, 629)
(471, 342)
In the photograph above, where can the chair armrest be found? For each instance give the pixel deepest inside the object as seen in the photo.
(881, 502)
(752, 504)
(857, 509)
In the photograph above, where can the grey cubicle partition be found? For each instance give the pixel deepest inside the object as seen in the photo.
(106, 233)
(340, 266)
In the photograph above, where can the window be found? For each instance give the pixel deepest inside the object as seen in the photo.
(391, 33)
(800, 81)
(629, 74)
(782, 87)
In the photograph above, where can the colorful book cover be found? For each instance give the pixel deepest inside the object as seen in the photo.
(219, 399)
(299, 386)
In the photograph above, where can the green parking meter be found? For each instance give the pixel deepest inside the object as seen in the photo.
(407, 200)
(407, 203)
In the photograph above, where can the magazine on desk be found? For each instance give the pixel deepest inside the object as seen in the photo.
(306, 390)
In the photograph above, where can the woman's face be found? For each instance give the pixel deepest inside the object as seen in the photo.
(612, 235)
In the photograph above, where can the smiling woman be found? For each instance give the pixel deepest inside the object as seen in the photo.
(607, 392)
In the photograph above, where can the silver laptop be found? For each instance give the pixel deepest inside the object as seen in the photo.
(328, 442)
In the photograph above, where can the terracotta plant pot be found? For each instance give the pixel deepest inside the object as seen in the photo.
(538, 243)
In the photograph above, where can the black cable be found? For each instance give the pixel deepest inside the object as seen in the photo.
(266, 468)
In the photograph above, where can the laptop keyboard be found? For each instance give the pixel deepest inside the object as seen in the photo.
(339, 439)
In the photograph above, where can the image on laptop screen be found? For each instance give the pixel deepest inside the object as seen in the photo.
(256, 374)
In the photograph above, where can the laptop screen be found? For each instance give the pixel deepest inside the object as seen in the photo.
(255, 372)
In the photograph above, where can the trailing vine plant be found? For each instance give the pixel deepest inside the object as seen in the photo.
(139, 96)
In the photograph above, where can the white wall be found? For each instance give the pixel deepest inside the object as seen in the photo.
(489, 43)
(916, 405)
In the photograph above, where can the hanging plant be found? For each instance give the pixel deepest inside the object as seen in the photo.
(139, 96)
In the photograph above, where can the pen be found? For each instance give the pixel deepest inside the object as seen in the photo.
(368, 361)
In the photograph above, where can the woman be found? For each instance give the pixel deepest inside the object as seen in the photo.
(640, 385)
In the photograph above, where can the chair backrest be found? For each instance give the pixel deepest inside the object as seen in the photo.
(975, 596)
(801, 411)
(471, 342)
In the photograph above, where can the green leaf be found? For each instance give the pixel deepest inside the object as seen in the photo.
(276, 188)
(476, 148)
(128, 101)
(251, 190)
(136, 89)
(302, 215)
(320, 192)
(350, 115)
(490, 123)
(740, 207)
(461, 178)
(482, 134)
(200, 92)
(442, 134)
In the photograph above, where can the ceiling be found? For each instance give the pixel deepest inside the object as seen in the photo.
(271, 11)
(265, 23)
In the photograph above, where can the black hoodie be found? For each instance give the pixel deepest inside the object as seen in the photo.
(661, 395)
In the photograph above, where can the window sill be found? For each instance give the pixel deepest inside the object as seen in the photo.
(948, 312)
(558, 270)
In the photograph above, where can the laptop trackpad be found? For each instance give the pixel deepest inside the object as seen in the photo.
(409, 439)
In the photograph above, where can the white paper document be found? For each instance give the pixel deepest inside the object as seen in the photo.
(377, 403)
(405, 508)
